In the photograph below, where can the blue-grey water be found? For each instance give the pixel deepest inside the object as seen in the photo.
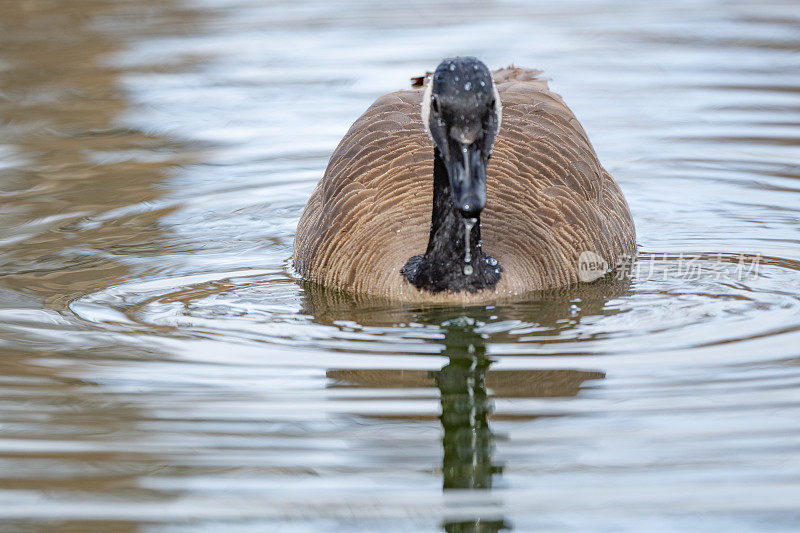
(161, 368)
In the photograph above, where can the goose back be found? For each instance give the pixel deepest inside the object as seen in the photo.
(548, 199)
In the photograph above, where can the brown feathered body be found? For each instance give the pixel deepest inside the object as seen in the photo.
(548, 199)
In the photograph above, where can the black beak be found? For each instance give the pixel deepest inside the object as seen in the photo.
(466, 168)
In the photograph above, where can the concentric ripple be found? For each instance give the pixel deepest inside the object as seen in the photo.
(668, 301)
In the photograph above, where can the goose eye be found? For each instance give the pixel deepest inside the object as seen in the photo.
(435, 104)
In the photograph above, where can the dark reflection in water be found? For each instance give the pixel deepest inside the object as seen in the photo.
(467, 386)
(468, 441)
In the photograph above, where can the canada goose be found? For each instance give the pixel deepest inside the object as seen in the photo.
(369, 228)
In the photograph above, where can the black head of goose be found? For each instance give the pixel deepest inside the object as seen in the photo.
(461, 112)
(542, 208)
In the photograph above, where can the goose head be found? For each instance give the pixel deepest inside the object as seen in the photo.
(461, 112)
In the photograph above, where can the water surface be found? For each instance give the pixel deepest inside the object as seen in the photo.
(161, 369)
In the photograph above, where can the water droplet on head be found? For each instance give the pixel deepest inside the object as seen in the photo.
(452, 66)
(467, 270)
(467, 86)
(492, 261)
(483, 83)
(457, 78)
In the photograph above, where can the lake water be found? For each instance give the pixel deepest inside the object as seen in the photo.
(161, 369)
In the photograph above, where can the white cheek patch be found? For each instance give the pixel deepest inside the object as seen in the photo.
(498, 106)
(426, 106)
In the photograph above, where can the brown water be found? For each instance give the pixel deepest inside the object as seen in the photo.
(162, 370)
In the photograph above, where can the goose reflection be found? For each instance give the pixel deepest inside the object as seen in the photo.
(467, 384)
(468, 441)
